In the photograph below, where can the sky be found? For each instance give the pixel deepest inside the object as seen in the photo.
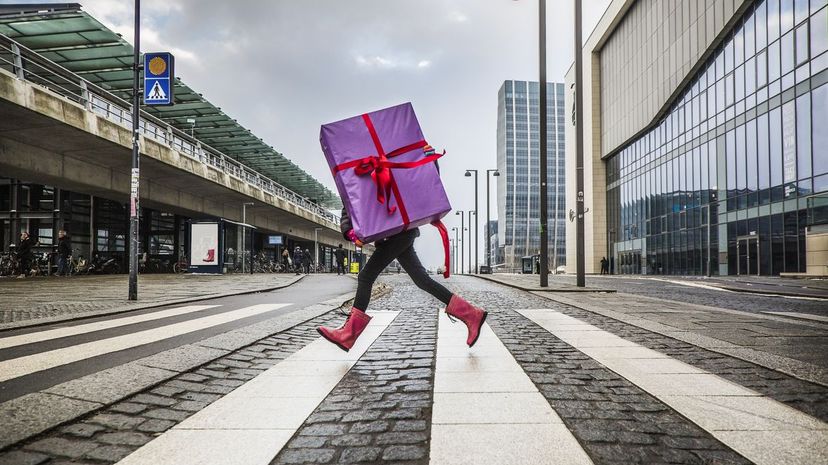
(284, 67)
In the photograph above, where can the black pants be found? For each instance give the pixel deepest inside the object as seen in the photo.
(400, 247)
(340, 267)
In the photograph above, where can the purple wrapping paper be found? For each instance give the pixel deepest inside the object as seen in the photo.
(420, 187)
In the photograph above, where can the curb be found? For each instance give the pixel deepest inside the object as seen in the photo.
(118, 310)
(529, 289)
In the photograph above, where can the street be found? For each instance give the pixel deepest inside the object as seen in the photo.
(553, 379)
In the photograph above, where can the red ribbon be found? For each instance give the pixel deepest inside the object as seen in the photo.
(379, 167)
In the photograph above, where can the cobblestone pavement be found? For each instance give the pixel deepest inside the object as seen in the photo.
(381, 410)
(53, 298)
(669, 288)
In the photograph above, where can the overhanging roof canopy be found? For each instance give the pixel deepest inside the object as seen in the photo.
(70, 37)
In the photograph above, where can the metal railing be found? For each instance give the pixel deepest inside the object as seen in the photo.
(28, 65)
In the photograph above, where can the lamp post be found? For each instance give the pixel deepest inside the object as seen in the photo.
(134, 181)
(316, 247)
(476, 221)
(488, 229)
(470, 212)
(244, 235)
(579, 148)
(456, 245)
(542, 154)
(462, 228)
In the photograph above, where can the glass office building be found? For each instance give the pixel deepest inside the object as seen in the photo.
(518, 186)
(730, 178)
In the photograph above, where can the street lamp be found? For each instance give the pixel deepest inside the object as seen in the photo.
(244, 235)
(462, 228)
(456, 246)
(476, 221)
(543, 155)
(470, 212)
(488, 229)
(579, 149)
(135, 175)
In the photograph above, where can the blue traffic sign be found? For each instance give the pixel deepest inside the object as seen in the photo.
(159, 72)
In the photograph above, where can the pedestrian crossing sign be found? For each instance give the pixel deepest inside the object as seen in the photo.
(158, 78)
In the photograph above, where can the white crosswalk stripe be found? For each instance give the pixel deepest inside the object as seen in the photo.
(47, 335)
(21, 366)
(761, 429)
(488, 411)
(250, 425)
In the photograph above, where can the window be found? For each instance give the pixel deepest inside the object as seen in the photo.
(787, 53)
(819, 136)
(731, 162)
(819, 33)
(773, 20)
(801, 44)
(773, 61)
(751, 154)
(775, 123)
(803, 136)
(762, 151)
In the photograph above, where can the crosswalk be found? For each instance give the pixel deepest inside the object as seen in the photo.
(25, 365)
(486, 409)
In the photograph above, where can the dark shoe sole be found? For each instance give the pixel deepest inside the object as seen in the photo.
(482, 320)
(331, 340)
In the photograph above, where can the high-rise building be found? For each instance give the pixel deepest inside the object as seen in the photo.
(704, 140)
(518, 186)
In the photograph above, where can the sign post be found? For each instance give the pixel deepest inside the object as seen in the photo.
(158, 90)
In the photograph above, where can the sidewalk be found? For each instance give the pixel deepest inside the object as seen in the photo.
(531, 282)
(25, 302)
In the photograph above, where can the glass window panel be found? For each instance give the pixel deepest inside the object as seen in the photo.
(819, 136)
(728, 56)
(731, 162)
(773, 62)
(728, 84)
(762, 152)
(739, 81)
(750, 76)
(739, 47)
(773, 20)
(788, 142)
(786, 15)
(751, 155)
(761, 70)
(802, 44)
(819, 32)
(775, 124)
(803, 136)
(817, 4)
(712, 165)
(741, 181)
(750, 37)
(761, 26)
(720, 71)
(801, 11)
(787, 53)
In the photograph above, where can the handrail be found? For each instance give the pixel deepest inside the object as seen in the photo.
(24, 63)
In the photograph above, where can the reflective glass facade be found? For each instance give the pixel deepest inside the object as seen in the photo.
(518, 186)
(726, 178)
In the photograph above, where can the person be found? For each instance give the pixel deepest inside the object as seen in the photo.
(286, 259)
(306, 261)
(297, 259)
(339, 255)
(604, 265)
(64, 252)
(401, 247)
(24, 254)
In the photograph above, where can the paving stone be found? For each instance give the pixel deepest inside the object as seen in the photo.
(190, 406)
(167, 414)
(362, 415)
(128, 407)
(401, 438)
(82, 430)
(301, 442)
(402, 453)
(156, 426)
(351, 440)
(124, 438)
(19, 457)
(410, 425)
(296, 456)
(116, 421)
(360, 454)
(370, 427)
(60, 447)
(323, 429)
(110, 454)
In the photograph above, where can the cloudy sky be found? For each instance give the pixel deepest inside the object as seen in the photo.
(283, 67)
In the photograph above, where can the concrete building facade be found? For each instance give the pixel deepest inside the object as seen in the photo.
(701, 148)
(518, 186)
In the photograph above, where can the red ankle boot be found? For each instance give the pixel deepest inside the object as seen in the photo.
(347, 334)
(469, 314)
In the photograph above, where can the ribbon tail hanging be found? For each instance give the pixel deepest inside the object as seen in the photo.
(444, 235)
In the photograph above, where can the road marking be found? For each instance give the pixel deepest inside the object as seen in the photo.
(804, 316)
(56, 333)
(253, 423)
(487, 410)
(22, 366)
(761, 429)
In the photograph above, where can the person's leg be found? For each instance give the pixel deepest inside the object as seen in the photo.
(412, 265)
(384, 254)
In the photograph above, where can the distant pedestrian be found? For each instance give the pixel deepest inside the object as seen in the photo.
(604, 265)
(339, 255)
(306, 261)
(286, 259)
(25, 254)
(64, 253)
(297, 259)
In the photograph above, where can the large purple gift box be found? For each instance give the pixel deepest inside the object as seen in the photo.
(386, 181)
